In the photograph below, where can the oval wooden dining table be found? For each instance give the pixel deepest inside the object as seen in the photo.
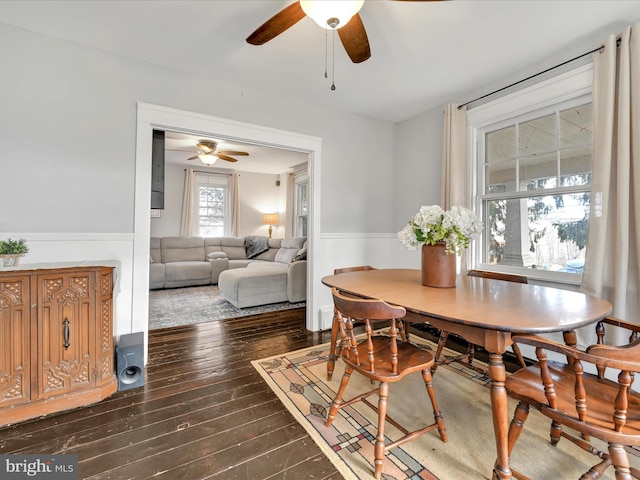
(485, 312)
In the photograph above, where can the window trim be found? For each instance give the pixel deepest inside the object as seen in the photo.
(573, 86)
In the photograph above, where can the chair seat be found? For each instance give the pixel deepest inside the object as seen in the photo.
(410, 359)
(525, 385)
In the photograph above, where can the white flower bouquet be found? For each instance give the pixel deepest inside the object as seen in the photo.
(431, 225)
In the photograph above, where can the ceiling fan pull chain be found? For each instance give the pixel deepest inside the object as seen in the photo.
(326, 54)
(333, 61)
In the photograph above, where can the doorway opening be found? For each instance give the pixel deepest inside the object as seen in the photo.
(152, 117)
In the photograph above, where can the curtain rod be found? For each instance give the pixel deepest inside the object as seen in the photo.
(210, 173)
(536, 74)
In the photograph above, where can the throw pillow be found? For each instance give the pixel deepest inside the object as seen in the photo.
(301, 255)
(285, 255)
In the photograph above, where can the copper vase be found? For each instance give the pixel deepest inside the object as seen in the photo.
(438, 267)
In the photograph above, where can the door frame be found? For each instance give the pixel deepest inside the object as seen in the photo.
(150, 117)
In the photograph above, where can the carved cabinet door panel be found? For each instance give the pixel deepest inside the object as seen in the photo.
(66, 330)
(15, 340)
(104, 326)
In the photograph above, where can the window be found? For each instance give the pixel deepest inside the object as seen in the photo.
(301, 209)
(213, 205)
(300, 200)
(533, 180)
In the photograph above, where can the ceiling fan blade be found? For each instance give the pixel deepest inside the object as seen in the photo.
(277, 24)
(354, 39)
(232, 152)
(193, 158)
(224, 157)
(204, 147)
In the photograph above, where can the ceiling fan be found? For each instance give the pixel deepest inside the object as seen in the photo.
(209, 154)
(337, 15)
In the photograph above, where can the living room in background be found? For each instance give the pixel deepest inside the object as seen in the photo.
(532, 154)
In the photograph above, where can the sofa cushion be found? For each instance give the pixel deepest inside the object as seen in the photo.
(156, 255)
(289, 248)
(156, 275)
(240, 263)
(214, 255)
(182, 274)
(233, 247)
(285, 255)
(270, 255)
(256, 286)
(182, 249)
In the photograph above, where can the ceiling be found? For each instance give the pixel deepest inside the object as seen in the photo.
(261, 159)
(424, 54)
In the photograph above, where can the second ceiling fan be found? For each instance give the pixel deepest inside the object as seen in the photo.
(337, 15)
(209, 154)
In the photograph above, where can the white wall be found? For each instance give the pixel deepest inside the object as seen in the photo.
(259, 195)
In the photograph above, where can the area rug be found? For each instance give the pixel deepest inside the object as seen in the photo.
(299, 379)
(188, 305)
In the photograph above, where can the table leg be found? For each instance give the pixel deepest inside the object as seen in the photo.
(500, 411)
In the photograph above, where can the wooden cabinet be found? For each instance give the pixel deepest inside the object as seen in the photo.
(56, 340)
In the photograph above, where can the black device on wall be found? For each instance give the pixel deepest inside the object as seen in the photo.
(157, 170)
(130, 361)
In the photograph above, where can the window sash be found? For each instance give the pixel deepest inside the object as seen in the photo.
(301, 208)
(212, 224)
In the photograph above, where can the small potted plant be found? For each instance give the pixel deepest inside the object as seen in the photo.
(12, 250)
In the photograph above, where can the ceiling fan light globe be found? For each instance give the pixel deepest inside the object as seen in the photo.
(208, 159)
(331, 14)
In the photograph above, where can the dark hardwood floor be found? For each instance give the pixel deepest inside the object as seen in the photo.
(204, 412)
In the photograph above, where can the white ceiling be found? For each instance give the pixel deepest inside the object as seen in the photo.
(179, 147)
(423, 53)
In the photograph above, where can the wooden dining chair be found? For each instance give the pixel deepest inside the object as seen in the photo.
(578, 394)
(467, 358)
(382, 359)
(335, 324)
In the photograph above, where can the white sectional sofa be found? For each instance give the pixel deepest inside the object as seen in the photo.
(191, 261)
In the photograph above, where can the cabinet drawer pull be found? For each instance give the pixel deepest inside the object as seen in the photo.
(65, 333)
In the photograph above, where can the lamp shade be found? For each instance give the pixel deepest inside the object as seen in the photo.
(331, 14)
(208, 159)
(270, 219)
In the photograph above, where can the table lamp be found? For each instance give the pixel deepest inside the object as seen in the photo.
(270, 219)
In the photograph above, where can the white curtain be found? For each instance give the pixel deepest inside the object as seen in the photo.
(454, 157)
(611, 267)
(188, 221)
(454, 164)
(234, 191)
(288, 222)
